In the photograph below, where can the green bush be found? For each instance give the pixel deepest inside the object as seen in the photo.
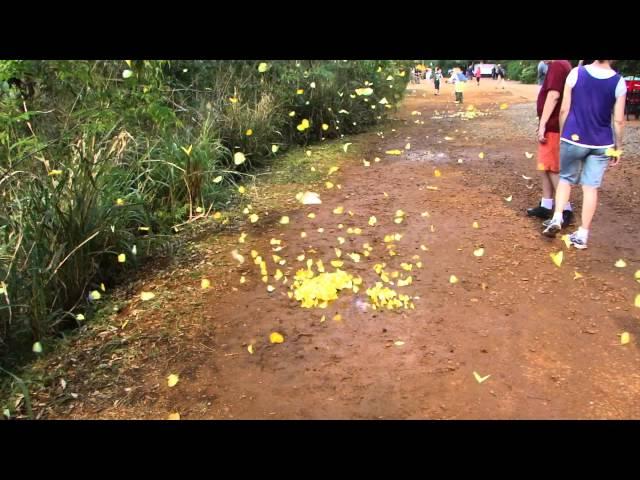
(529, 74)
(101, 158)
(525, 71)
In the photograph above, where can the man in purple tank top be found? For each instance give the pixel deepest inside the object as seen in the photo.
(588, 143)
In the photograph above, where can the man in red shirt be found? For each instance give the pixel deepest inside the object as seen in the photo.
(548, 107)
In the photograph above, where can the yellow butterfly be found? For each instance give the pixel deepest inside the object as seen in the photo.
(310, 198)
(172, 380)
(364, 91)
(145, 296)
(557, 258)
(239, 158)
(276, 337)
(612, 152)
(303, 125)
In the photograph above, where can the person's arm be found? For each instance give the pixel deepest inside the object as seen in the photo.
(553, 96)
(618, 125)
(566, 106)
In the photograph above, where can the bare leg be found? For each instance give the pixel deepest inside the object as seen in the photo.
(548, 188)
(563, 192)
(589, 203)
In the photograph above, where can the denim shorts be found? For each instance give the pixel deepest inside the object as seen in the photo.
(582, 165)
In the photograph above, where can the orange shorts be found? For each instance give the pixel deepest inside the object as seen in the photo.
(549, 153)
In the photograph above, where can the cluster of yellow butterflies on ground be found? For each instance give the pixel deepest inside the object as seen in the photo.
(315, 287)
(469, 113)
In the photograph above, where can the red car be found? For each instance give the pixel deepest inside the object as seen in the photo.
(633, 96)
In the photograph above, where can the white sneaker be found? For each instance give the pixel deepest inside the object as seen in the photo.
(553, 226)
(577, 242)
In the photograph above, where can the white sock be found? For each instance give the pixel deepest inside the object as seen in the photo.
(568, 207)
(583, 234)
(557, 217)
(547, 203)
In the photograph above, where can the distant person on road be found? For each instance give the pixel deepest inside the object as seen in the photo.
(593, 95)
(542, 71)
(500, 73)
(459, 79)
(548, 137)
(494, 73)
(437, 77)
(415, 78)
(478, 74)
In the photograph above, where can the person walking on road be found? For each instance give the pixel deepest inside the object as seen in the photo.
(437, 77)
(500, 74)
(548, 137)
(459, 79)
(594, 94)
(542, 71)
